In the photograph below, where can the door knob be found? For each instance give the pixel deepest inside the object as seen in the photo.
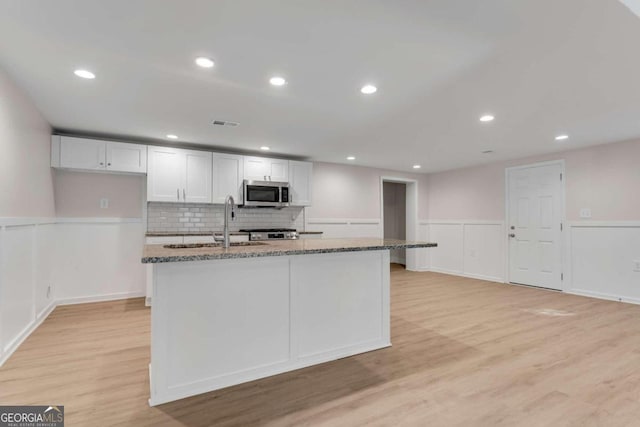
(512, 235)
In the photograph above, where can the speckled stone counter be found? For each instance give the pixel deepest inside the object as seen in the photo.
(154, 254)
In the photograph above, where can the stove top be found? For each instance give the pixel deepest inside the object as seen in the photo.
(271, 233)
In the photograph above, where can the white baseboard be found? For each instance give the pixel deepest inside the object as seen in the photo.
(100, 298)
(17, 342)
(599, 295)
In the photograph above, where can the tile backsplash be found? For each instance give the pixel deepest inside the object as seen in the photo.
(186, 217)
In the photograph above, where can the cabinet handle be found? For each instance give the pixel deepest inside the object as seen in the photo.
(108, 164)
(184, 194)
(265, 177)
(101, 163)
(178, 193)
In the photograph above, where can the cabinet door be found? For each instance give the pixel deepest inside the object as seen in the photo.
(197, 187)
(278, 170)
(123, 157)
(256, 168)
(227, 177)
(82, 153)
(300, 182)
(165, 176)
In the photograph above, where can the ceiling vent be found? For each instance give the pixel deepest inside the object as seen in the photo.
(225, 123)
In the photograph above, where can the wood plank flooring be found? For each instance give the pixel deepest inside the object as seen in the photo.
(465, 353)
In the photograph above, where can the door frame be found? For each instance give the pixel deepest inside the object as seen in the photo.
(563, 218)
(411, 207)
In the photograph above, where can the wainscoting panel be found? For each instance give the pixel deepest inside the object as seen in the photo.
(465, 248)
(340, 227)
(447, 257)
(17, 305)
(101, 261)
(483, 251)
(603, 260)
(45, 261)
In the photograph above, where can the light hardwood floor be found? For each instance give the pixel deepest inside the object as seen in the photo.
(465, 353)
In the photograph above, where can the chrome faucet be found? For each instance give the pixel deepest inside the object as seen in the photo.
(226, 240)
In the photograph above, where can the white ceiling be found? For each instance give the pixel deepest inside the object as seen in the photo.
(542, 67)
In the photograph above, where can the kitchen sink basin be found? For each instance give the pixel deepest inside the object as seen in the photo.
(211, 245)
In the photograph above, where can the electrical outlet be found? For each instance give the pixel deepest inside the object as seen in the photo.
(104, 203)
(585, 213)
(636, 266)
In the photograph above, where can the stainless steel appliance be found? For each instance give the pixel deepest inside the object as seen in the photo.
(266, 194)
(271, 233)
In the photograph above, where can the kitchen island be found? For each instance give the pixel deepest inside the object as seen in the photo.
(222, 317)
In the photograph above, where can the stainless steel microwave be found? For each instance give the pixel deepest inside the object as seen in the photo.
(265, 194)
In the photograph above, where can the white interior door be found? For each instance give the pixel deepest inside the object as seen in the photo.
(535, 225)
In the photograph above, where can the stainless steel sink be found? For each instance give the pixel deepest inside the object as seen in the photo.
(211, 245)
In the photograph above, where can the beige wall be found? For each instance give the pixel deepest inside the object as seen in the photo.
(78, 194)
(26, 185)
(604, 178)
(345, 191)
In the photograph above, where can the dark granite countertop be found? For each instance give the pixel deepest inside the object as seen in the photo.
(159, 254)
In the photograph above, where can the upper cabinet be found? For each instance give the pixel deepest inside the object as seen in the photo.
(228, 173)
(300, 183)
(96, 155)
(266, 169)
(176, 175)
(184, 176)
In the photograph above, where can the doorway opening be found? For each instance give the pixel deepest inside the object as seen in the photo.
(394, 217)
(399, 217)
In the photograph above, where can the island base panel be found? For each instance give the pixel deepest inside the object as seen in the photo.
(224, 322)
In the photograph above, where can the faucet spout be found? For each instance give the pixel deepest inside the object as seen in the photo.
(228, 201)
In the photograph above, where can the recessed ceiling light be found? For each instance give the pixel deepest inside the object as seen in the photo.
(204, 62)
(487, 118)
(265, 148)
(368, 89)
(277, 81)
(562, 137)
(351, 158)
(85, 74)
(417, 166)
(172, 136)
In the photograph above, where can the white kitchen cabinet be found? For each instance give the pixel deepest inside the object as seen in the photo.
(197, 176)
(97, 155)
(123, 157)
(300, 183)
(228, 173)
(266, 169)
(82, 153)
(176, 175)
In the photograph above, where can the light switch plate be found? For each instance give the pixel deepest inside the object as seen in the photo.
(104, 203)
(636, 266)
